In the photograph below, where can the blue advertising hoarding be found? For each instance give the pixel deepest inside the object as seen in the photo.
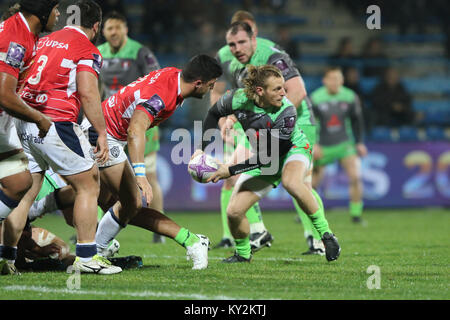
(393, 174)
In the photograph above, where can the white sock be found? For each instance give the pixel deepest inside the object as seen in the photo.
(257, 227)
(45, 205)
(108, 229)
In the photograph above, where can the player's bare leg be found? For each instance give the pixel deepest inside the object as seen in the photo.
(292, 179)
(157, 202)
(120, 181)
(15, 222)
(352, 166)
(241, 201)
(86, 188)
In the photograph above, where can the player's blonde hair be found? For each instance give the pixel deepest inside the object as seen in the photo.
(257, 77)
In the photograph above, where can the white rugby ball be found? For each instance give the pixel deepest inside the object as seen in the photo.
(202, 167)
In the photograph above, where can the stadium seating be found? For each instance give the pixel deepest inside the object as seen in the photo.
(280, 19)
(381, 134)
(435, 133)
(413, 38)
(408, 133)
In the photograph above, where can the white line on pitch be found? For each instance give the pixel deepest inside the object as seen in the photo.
(139, 294)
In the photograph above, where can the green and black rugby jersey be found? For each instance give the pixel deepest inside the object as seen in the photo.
(125, 66)
(339, 116)
(280, 122)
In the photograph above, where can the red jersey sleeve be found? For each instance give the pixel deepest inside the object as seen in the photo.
(91, 62)
(13, 49)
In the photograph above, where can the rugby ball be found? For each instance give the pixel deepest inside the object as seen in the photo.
(202, 167)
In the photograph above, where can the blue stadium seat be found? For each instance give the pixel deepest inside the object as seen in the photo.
(413, 38)
(381, 134)
(309, 38)
(427, 85)
(367, 84)
(436, 116)
(435, 133)
(425, 105)
(312, 82)
(280, 19)
(407, 133)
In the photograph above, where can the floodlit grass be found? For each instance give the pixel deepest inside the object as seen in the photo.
(410, 247)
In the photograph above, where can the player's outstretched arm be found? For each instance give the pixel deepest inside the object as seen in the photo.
(87, 86)
(15, 106)
(139, 124)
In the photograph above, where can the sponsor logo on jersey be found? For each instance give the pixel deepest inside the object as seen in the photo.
(343, 106)
(46, 42)
(289, 122)
(38, 98)
(15, 55)
(112, 101)
(150, 59)
(2, 26)
(97, 64)
(42, 98)
(154, 105)
(282, 65)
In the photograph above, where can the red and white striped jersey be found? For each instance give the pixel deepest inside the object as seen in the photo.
(51, 85)
(17, 47)
(157, 94)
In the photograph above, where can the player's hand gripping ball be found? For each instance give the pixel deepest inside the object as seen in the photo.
(201, 167)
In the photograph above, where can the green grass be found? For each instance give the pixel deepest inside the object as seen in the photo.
(411, 248)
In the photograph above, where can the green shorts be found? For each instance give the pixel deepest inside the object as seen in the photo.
(152, 140)
(310, 132)
(301, 153)
(48, 186)
(332, 153)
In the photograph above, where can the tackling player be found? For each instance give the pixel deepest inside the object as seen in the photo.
(18, 36)
(340, 129)
(125, 60)
(129, 113)
(262, 106)
(62, 80)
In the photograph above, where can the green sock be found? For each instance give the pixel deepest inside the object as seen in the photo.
(356, 208)
(320, 222)
(243, 247)
(254, 214)
(225, 196)
(186, 238)
(308, 227)
(306, 221)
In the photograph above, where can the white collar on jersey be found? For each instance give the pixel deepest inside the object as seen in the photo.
(25, 21)
(77, 29)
